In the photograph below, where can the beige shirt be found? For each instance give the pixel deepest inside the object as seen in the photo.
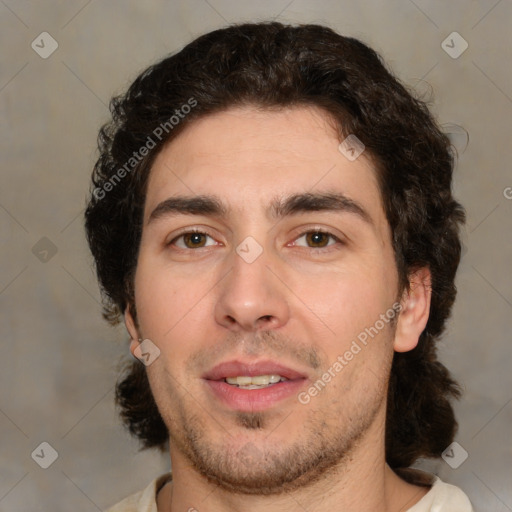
(441, 498)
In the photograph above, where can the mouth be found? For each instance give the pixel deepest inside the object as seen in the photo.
(253, 386)
(256, 382)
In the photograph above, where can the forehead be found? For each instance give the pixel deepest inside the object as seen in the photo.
(248, 156)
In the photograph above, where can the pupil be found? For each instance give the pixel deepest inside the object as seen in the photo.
(318, 239)
(195, 239)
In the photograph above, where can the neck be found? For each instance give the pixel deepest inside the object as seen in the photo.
(362, 482)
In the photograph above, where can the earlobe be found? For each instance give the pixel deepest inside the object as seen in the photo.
(415, 311)
(129, 322)
(134, 344)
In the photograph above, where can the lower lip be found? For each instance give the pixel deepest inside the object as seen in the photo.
(254, 400)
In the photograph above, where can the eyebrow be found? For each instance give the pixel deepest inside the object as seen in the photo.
(195, 205)
(279, 207)
(316, 202)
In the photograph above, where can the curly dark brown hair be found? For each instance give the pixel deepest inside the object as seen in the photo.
(272, 65)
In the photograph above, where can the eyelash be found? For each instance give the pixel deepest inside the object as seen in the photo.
(309, 231)
(323, 232)
(189, 232)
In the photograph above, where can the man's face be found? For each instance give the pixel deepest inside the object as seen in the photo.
(270, 285)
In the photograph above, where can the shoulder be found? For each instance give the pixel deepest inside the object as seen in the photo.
(450, 498)
(443, 497)
(142, 501)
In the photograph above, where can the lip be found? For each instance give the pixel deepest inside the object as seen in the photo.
(253, 400)
(239, 368)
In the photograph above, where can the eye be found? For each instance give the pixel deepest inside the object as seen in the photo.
(192, 240)
(316, 239)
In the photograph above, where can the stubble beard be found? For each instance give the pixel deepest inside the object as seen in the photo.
(325, 447)
(330, 436)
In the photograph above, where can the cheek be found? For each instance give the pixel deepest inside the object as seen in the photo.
(167, 303)
(346, 299)
(334, 310)
(173, 313)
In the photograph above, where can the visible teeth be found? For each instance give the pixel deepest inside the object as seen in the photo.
(244, 381)
(261, 380)
(257, 380)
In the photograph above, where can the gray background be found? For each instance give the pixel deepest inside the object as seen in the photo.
(60, 359)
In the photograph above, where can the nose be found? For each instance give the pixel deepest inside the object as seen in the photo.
(252, 297)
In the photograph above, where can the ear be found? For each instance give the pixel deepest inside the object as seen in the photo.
(129, 322)
(415, 310)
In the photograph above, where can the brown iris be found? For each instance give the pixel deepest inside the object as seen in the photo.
(193, 240)
(317, 239)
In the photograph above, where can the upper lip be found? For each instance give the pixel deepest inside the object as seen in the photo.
(251, 369)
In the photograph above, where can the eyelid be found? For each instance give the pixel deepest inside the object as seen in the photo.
(187, 231)
(318, 229)
(301, 233)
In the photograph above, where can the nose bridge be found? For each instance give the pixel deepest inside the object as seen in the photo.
(250, 269)
(251, 297)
